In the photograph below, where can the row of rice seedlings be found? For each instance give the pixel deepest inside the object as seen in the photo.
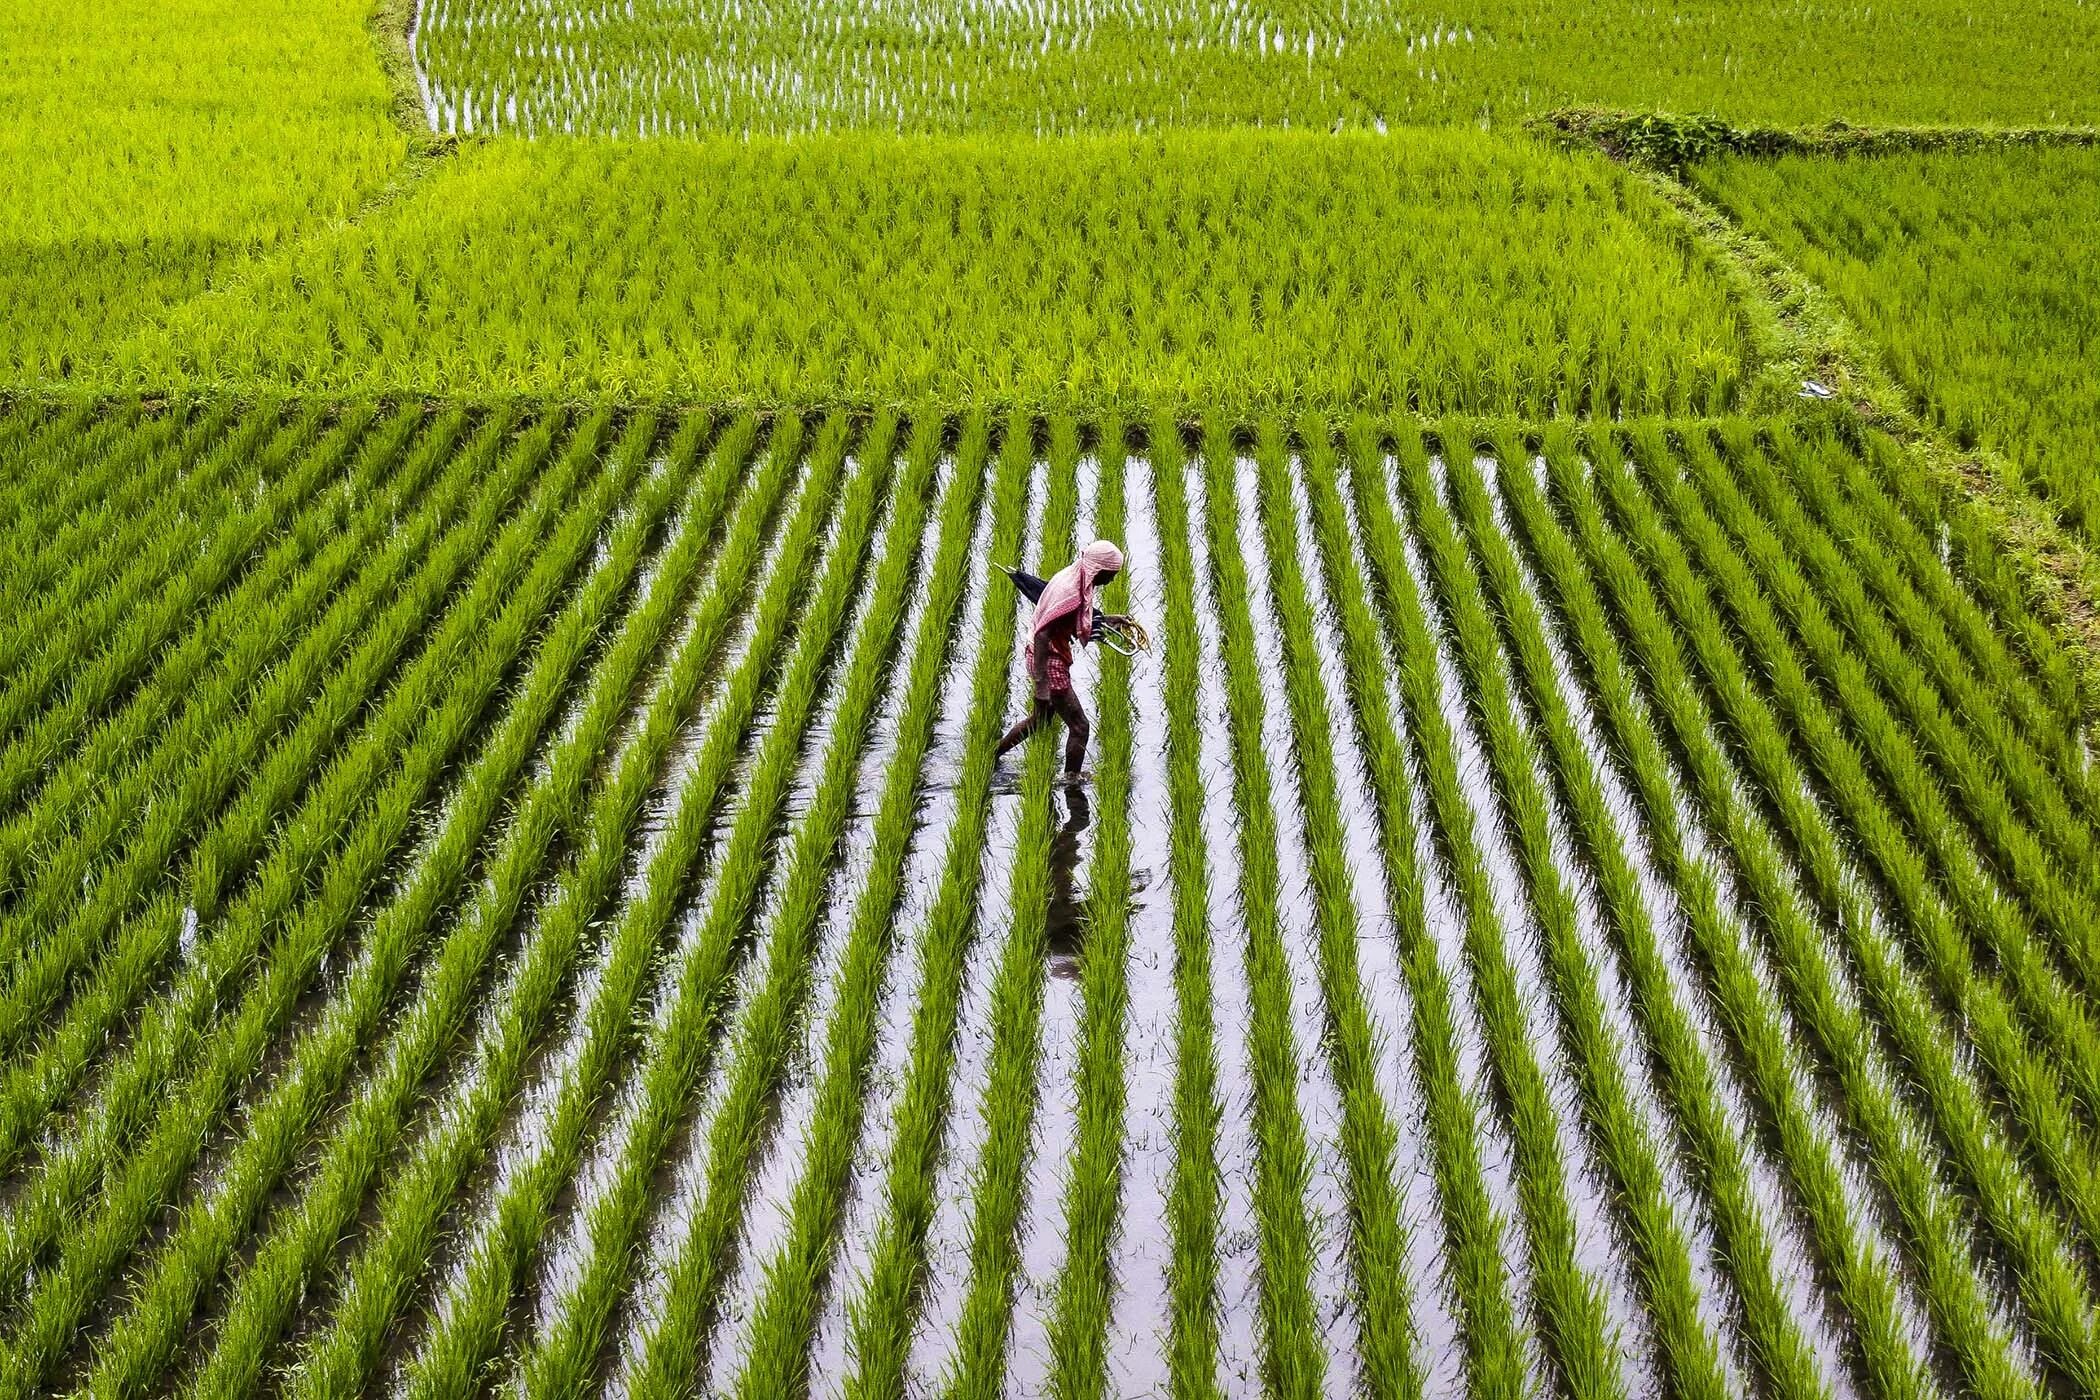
(1653, 1226)
(1195, 1206)
(1472, 1228)
(372, 1290)
(323, 1052)
(49, 582)
(59, 887)
(1092, 1204)
(99, 788)
(46, 482)
(244, 820)
(473, 1314)
(1390, 1359)
(1771, 1337)
(448, 716)
(1943, 622)
(1938, 1236)
(883, 1315)
(952, 274)
(2046, 1002)
(98, 636)
(562, 1356)
(799, 1272)
(1855, 1263)
(674, 1352)
(2048, 1280)
(1567, 1300)
(292, 1249)
(221, 944)
(1905, 749)
(204, 781)
(1294, 1360)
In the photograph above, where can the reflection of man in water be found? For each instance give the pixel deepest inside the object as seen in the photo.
(1065, 917)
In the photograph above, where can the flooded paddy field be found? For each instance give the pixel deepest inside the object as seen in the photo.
(523, 899)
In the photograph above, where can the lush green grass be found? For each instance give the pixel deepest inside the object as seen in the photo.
(661, 68)
(1974, 277)
(1453, 271)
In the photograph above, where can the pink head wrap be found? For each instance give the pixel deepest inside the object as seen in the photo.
(1073, 587)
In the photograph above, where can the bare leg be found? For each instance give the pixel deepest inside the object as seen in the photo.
(1038, 714)
(1077, 730)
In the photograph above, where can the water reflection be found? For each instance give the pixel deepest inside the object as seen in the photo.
(1065, 918)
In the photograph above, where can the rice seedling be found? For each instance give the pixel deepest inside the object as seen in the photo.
(1972, 274)
(658, 69)
(1105, 275)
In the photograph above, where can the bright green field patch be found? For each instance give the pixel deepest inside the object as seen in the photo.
(700, 66)
(1445, 271)
(1975, 274)
(143, 142)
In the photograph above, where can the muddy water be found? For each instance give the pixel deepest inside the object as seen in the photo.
(1042, 1225)
(1139, 1312)
(947, 1259)
(900, 992)
(1319, 1105)
(1584, 1182)
(777, 1163)
(1446, 928)
(1794, 1262)
(1239, 1297)
(1385, 990)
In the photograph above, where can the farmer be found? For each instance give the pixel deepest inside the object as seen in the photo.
(1065, 611)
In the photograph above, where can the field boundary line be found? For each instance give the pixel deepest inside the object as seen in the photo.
(1801, 331)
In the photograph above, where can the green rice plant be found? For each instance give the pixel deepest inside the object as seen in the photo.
(1093, 1191)
(100, 641)
(1294, 1361)
(1947, 622)
(667, 70)
(2049, 1005)
(561, 1358)
(1195, 1206)
(882, 1317)
(292, 1252)
(142, 1343)
(1973, 274)
(150, 150)
(976, 1366)
(470, 1323)
(244, 824)
(784, 1316)
(1907, 762)
(675, 1349)
(1453, 272)
(1389, 1353)
(1567, 1302)
(1625, 1141)
(145, 476)
(168, 1032)
(1855, 1270)
(1770, 1341)
(64, 468)
(98, 1240)
(373, 1288)
(83, 800)
(1473, 1229)
(1940, 1237)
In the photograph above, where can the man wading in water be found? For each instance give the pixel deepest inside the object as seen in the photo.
(1065, 611)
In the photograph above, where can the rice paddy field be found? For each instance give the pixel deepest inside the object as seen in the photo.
(505, 884)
